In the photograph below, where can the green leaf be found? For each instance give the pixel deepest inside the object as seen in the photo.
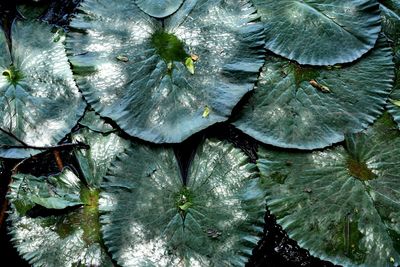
(32, 10)
(395, 102)
(92, 121)
(159, 8)
(153, 96)
(323, 32)
(71, 238)
(289, 108)
(151, 217)
(56, 192)
(5, 58)
(94, 162)
(189, 65)
(342, 204)
(206, 112)
(39, 102)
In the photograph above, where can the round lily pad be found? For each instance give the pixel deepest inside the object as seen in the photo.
(39, 101)
(343, 203)
(159, 8)
(305, 107)
(324, 32)
(55, 219)
(154, 217)
(164, 81)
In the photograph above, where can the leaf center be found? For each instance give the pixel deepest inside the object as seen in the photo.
(169, 47)
(90, 216)
(184, 200)
(303, 74)
(360, 170)
(13, 75)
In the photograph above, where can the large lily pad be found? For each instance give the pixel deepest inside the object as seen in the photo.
(323, 32)
(137, 70)
(313, 107)
(71, 236)
(159, 8)
(342, 204)
(391, 28)
(152, 217)
(39, 101)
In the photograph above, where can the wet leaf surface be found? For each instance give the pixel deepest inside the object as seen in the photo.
(347, 193)
(152, 216)
(153, 95)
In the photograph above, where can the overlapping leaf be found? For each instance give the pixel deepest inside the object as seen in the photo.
(308, 107)
(391, 28)
(39, 101)
(342, 204)
(159, 8)
(92, 121)
(33, 9)
(323, 32)
(138, 71)
(154, 218)
(70, 237)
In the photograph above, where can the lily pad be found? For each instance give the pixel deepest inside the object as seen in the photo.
(154, 217)
(391, 28)
(159, 8)
(94, 162)
(342, 204)
(131, 67)
(394, 100)
(324, 32)
(95, 123)
(55, 192)
(33, 9)
(39, 101)
(306, 107)
(68, 236)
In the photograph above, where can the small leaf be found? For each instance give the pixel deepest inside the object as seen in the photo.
(59, 35)
(185, 206)
(95, 161)
(189, 65)
(95, 123)
(55, 192)
(319, 86)
(206, 112)
(395, 102)
(123, 58)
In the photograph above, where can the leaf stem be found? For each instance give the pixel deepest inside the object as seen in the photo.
(59, 161)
